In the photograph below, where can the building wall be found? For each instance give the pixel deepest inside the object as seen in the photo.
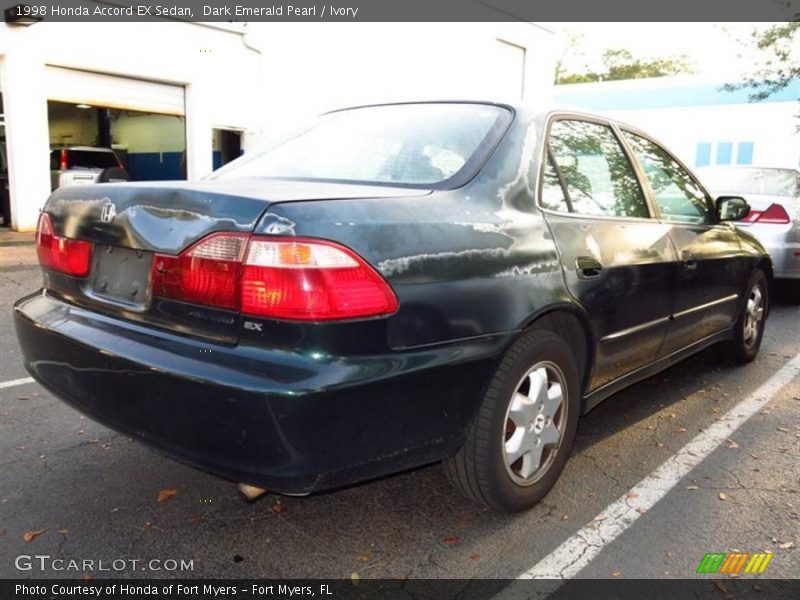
(260, 78)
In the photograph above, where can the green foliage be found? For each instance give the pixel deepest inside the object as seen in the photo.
(621, 64)
(780, 67)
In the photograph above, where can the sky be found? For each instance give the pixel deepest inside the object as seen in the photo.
(713, 48)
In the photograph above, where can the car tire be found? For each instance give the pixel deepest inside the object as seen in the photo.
(748, 330)
(113, 175)
(507, 424)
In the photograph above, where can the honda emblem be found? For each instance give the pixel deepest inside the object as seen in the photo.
(108, 212)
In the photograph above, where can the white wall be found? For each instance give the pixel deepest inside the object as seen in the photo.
(220, 73)
(314, 67)
(261, 78)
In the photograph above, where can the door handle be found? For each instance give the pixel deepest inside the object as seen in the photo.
(689, 261)
(588, 267)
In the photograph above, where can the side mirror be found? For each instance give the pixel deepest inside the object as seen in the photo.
(732, 208)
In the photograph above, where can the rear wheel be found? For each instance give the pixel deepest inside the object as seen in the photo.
(522, 436)
(749, 328)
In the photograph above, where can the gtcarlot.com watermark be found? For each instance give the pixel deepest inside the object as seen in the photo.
(47, 563)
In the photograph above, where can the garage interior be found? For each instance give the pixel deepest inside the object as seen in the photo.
(150, 146)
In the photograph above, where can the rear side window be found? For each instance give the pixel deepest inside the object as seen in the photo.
(676, 193)
(587, 172)
(89, 159)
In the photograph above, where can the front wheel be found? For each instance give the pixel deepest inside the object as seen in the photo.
(522, 436)
(749, 328)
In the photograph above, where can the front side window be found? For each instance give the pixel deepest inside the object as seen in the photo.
(402, 144)
(676, 193)
(589, 173)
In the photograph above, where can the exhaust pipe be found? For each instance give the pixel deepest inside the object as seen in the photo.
(250, 492)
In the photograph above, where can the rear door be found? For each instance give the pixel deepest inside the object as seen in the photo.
(711, 263)
(618, 260)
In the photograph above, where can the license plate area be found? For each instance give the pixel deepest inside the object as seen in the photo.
(122, 276)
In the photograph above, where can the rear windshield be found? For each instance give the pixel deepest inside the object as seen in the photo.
(752, 180)
(88, 159)
(416, 145)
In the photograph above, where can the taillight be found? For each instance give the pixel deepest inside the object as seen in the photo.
(64, 162)
(311, 280)
(297, 279)
(207, 273)
(775, 214)
(72, 257)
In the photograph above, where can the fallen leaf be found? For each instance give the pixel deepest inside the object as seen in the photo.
(148, 524)
(680, 430)
(732, 445)
(63, 532)
(786, 545)
(195, 519)
(24, 398)
(641, 510)
(277, 507)
(631, 496)
(475, 556)
(721, 587)
(722, 496)
(783, 429)
(692, 487)
(600, 518)
(29, 536)
(616, 574)
(363, 558)
(564, 517)
(451, 540)
(165, 495)
(753, 456)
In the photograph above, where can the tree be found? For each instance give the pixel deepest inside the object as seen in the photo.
(777, 46)
(621, 64)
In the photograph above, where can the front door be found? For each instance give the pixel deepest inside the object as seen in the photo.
(618, 260)
(711, 265)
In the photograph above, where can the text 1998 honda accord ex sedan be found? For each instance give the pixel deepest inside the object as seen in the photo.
(391, 286)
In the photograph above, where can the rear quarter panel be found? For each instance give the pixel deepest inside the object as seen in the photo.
(474, 261)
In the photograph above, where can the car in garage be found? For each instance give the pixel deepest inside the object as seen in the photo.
(391, 286)
(774, 195)
(83, 165)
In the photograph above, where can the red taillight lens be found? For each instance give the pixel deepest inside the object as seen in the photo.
(73, 257)
(774, 214)
(299, 279)
(64, 162)
(207, 273)
(311, 280)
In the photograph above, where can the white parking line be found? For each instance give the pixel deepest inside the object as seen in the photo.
(581, 548)
(13, 382)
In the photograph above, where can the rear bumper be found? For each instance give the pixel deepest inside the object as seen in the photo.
(286, 421)
(783, 244)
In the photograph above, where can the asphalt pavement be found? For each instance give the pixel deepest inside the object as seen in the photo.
(73, 489)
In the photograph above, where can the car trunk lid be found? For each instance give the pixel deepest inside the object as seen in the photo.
(130, 224)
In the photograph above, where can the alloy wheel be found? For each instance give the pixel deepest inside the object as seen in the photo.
(535, 423)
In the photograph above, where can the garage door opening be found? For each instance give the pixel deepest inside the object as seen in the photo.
(85, 140)
(227, 145)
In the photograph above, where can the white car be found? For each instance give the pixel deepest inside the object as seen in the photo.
(774, 198)
(82, 165)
